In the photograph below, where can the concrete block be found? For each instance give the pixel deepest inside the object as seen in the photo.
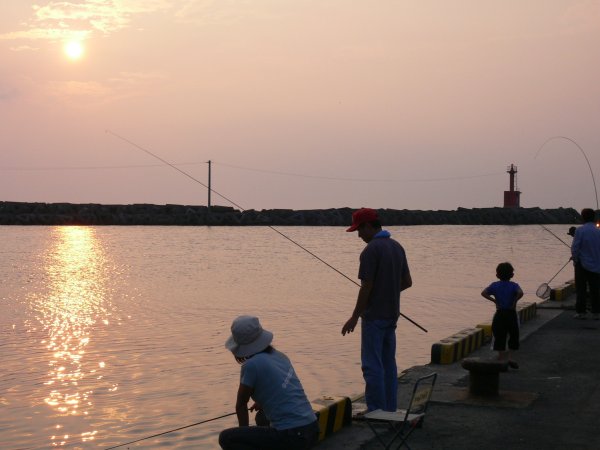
(333, 413)
(487, 330)
(526, 311)
(563, 291)
(457, 346)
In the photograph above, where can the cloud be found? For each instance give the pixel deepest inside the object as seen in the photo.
(7, 94)
(80, 89)
(125, 85)
(95, 15)
(130, 78)
(582, 17)
(48, 33)
(203, 12)
(60, 20)
(23, 48)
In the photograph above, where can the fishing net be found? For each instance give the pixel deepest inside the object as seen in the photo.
(543, 291)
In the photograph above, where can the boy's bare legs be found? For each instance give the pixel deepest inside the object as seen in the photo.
(506, 356)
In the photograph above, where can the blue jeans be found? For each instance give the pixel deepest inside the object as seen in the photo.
(378, 358)
(267, 438)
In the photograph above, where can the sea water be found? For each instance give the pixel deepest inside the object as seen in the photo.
(112, 334)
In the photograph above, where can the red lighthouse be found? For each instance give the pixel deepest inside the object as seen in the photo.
(512, 198)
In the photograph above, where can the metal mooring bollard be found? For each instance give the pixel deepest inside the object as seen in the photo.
(484, 375)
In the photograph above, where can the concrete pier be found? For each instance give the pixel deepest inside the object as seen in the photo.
(552, 401)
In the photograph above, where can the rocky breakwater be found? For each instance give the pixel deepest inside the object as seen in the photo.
(18, 213)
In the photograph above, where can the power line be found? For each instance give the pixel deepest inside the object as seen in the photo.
(362, 180)
(129, 166)
(184, 173)
(251, 169)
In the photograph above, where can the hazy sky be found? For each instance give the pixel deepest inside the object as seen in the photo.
(300, 103)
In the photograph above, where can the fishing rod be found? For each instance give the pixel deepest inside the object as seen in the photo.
(242, 209)
(170, 431)
(584, 155)
(549, 231)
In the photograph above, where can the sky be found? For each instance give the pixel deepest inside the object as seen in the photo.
(300, 104)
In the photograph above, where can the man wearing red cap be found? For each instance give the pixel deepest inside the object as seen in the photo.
(384, 273)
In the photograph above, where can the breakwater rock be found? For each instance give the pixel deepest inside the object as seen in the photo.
(19, 213)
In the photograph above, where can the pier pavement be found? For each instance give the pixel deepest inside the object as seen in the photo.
(552, 401)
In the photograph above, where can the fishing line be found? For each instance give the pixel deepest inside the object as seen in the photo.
(544, 290)
(170, 431)
(242, 209)
(554, 235)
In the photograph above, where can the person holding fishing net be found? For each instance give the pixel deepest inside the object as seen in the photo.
(505, 324)
(384, 273)
(585, 252)
(268, 377)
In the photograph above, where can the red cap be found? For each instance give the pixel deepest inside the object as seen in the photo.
(363, 215)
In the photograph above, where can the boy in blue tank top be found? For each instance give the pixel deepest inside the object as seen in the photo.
(505, 294)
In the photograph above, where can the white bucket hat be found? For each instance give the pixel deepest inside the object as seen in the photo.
(248, 337)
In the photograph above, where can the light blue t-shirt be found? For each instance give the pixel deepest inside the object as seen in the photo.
(278, 390)
(585, 248)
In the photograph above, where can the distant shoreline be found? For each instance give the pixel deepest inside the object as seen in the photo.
(26, 213)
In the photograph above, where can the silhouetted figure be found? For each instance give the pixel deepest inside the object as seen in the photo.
(585, 252)
(383, 273)
(268, 377)
(505, 294)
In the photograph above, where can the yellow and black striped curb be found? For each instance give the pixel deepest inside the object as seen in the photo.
(333, 413)
(459, 345)
(563, 291)
(526, 311)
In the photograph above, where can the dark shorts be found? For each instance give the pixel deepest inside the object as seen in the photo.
(505, 324)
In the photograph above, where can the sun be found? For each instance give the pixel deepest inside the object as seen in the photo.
(73, 49)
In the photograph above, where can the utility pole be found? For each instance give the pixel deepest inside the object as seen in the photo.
(209, 184)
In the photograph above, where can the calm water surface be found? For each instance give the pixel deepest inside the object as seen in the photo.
(110, 334)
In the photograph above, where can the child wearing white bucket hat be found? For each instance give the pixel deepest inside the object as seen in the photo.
(268, 377)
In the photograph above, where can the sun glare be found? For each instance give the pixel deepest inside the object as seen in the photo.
(73, 50)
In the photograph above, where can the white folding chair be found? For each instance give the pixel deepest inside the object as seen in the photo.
(403, 421)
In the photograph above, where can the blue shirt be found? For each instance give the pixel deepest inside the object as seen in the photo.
(505, 293)
(585, 248)
(277, 390)
(383, 261)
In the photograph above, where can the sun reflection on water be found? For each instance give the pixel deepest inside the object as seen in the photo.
(75, 304)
